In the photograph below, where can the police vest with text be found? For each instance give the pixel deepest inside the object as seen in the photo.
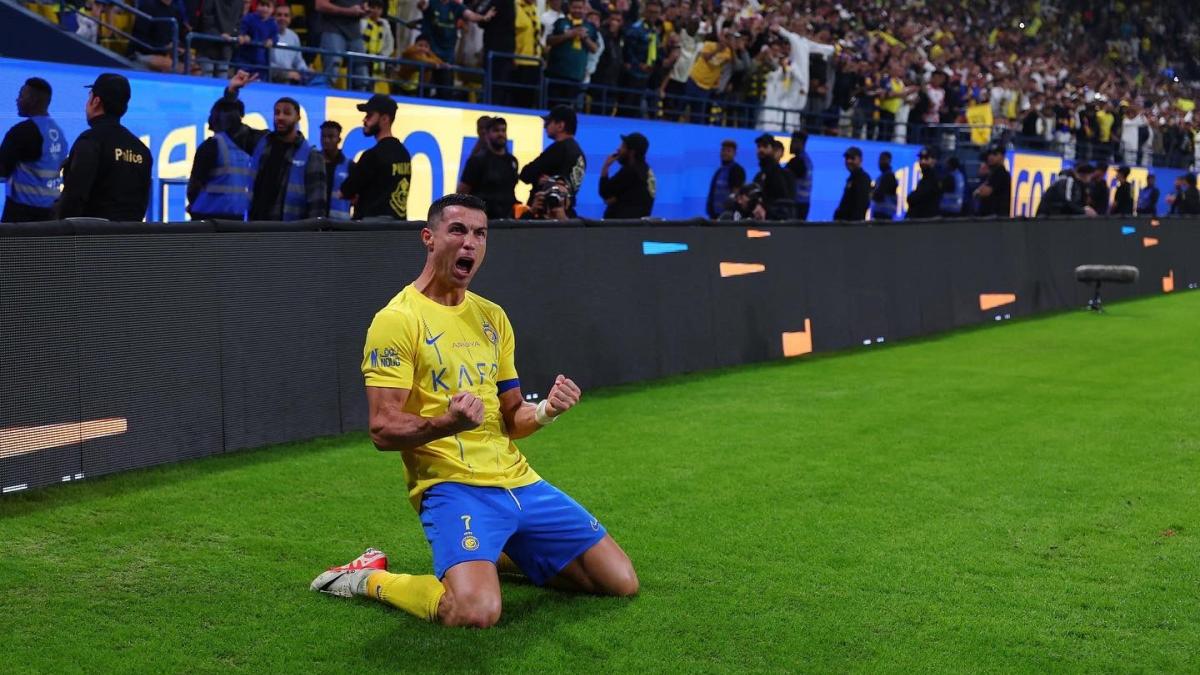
(39, 183)
(339, 209)
(295, 199)
(227, 192)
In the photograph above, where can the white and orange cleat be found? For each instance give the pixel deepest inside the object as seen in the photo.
(350, 579)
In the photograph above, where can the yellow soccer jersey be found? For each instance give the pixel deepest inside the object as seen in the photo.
(436, 351)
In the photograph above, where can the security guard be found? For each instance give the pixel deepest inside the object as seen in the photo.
(856, 196)
(337, 169)
(379, 181)
(31, 157)
(219, 187)
(630, 193)
(954, 189)
(108, 171)
(801, 167)
(778, 188)
(925, 200)
(883, 199)
(1147, 199)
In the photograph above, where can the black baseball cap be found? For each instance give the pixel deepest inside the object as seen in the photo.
(561, 113)
(636, 142)
(765, 139)
(852, 151)
(379, 103)
(113, 91)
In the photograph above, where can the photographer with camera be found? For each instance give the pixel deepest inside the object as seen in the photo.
(746, 204)
(550, 200)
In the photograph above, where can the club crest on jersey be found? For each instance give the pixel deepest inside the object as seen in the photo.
(490, 333)
(470, 543)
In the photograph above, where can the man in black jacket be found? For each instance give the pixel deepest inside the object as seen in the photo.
(563, 157)
(856, 196)
(1068, 194)
(1123, 200)
(1186, 200)
(884, 197)
(778, 192)
(108, 171)
(925, 201)
(491, 175)
(630, 193)
(995, 194)
(289, 173)
(1098, 190)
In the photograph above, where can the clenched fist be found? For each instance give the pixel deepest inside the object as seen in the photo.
(465, 411)
(563, 396)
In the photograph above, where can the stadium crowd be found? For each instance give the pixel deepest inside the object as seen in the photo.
(243, 173)
(1110, 80)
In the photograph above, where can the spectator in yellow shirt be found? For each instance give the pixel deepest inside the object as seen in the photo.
(706, 73)
(528, 25)
(412, 75)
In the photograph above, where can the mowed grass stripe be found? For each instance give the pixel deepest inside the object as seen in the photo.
(1019, 497)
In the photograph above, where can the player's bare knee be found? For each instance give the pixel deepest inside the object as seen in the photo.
(479, 611)
(626, 584)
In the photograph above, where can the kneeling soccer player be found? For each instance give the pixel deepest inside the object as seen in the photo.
(442, 389)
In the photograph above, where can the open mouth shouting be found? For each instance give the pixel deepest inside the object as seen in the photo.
(463, 266)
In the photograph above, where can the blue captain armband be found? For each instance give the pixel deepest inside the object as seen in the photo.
(504, 385)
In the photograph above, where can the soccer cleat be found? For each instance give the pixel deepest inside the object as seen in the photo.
(350, 579)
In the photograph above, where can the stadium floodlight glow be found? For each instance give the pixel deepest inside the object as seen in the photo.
(1097, 274)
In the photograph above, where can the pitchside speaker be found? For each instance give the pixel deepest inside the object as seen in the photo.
(1098, 274)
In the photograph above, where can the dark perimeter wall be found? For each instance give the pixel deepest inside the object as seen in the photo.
(209, 342)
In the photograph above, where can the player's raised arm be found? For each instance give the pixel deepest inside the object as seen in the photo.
(521, 419)
(394, 429)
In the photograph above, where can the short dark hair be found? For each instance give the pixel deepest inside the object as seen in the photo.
(729, 143)
(41, 86)
(375, 3)
(454, 199)
(495, 122)
(224, 106)
(886, 154)
(331, 124)
(776, 144)
(290, 101)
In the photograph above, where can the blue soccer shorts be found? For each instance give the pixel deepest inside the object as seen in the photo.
(538, 526)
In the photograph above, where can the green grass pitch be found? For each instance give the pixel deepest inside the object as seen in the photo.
(1019, 497)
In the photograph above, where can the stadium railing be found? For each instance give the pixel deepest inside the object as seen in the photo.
(67, 12)
(420, 86)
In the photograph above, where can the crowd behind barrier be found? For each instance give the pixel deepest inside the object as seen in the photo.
(682, 165)
(1111, 80)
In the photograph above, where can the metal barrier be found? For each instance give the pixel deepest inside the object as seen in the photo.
(166, 188)
(64, 7)
(420, 83)
(507, 87)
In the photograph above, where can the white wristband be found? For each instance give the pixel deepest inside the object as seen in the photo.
(540, 415)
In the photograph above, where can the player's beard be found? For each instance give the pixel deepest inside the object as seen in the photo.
(370, 131)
